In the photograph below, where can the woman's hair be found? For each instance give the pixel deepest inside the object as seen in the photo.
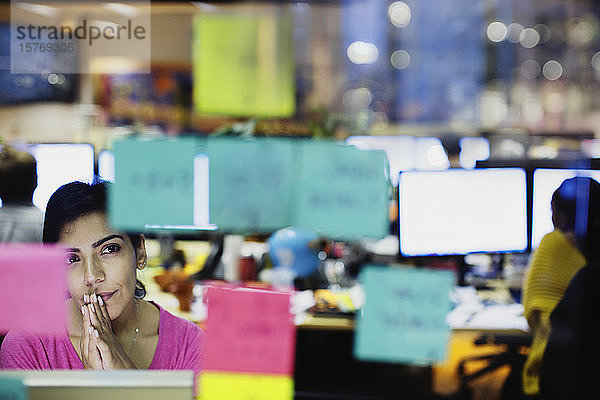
(75, 200)
(18, 175)
(577, 202)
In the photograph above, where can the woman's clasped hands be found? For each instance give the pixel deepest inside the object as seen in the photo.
(100, 348)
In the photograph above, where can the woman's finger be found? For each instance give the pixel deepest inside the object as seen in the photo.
(103, 310)
(100, 320)
(93, 320)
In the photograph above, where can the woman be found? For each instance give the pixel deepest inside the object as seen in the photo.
(560, 255)
(570, 364)
(109, 325)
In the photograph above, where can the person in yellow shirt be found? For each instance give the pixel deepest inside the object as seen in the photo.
(557, 259)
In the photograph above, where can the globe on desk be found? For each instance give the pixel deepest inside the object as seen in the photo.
(290, 251)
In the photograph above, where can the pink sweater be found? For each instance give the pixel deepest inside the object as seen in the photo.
(180, 344)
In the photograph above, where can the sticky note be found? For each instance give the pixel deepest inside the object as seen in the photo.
(264, 184)
(154, 182)
(244, 64)
(32, 288)
(251, 183)
(12, 388)
(404, 316)
(343, 191)
(218, 386)
(249, 331)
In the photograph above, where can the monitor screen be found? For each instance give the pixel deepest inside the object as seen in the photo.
(459, 211)
(60, 163)
(106, 165)
(57, 164)
(473, 149)
(545, 182)
(398, 149)
(429, 154)
(97, 384)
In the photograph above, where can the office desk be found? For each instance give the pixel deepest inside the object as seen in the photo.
(325, 366)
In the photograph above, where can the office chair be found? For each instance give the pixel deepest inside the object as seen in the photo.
(514, 355)
(212, 261)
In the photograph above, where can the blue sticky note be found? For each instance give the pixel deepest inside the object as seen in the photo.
(250, 183)
(154, 182)
(12, 388)
(404, 316)
(343, 192)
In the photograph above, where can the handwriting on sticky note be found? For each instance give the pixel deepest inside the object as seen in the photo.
(249, 331)
(154, 182)
(32, 288)
(266, 184)
(250, 183)
(342, 191)
(404, 317)
(217, 386)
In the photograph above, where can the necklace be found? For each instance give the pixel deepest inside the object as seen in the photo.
(137, 325)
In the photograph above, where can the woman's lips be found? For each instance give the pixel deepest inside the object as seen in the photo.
(106, 295)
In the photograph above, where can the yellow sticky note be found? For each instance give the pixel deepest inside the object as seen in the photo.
(234, 386)
(243, 64)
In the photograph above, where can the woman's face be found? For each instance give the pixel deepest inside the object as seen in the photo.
(100, 261)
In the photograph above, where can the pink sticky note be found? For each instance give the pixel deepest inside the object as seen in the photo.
(32, 288)
(249, 331)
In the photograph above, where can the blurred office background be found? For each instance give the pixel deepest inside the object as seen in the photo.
(528, 69)
(517, 80)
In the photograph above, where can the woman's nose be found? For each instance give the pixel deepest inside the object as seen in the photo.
(94, 272)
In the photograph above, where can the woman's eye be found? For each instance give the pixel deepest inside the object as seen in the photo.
(111, 248)
(72, 258)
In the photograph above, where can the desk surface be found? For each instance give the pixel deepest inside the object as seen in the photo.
(469, 315)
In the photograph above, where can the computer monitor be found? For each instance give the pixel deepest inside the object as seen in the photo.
(57, 164)
(106, 165)
(429, 154)
(545, 182)
(60, 163)
(457, 211)
(473, 149)
(102, 385)
(398, 149)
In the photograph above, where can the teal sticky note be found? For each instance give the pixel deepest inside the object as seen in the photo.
(404, 316)
(12, 388)
(250, 183)
(154, 182)
(342, 191)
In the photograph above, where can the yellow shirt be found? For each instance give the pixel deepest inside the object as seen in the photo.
(553, 265)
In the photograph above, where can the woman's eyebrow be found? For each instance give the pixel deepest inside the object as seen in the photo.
(99, 242)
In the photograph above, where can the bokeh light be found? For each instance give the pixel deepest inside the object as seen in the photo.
(362, 52)
(399, 13)
(514, 32)
(552, 70)
(544, 31)
(497, 31)
(596, 61)
(530, 69)
(400, 59)
(529, 38)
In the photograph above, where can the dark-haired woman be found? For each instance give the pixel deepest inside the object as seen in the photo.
(109, 325)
